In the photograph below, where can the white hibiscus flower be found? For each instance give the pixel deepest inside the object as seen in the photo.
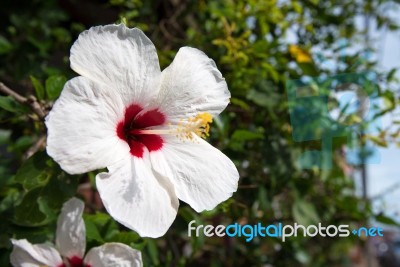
(71, 245)
(144, 125)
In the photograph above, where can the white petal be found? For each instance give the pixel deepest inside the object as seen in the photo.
(71, 231)
(82, 127)
(113, 255)
(136, 198)
(202, 175)
(192, 84)
(124, 59)
(25, 254)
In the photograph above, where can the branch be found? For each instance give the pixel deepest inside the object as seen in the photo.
(16, 96)
(31, 101)
(35, 147)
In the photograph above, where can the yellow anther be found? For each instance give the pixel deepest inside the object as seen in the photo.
(200, 125)
(204, 120)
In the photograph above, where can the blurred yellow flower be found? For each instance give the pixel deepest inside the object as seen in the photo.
(301, 55)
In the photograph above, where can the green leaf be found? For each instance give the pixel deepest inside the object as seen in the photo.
(240, 103)
(35, 235)
(308, 69)
(391, 75)
(389, 100)
(153, 251)
(386, 220)
(39, 89)
(22, 143)
(59, 189)
(4, 136)
(104, 224)
(297, 7)
(5, 45)
(45, 196)
(131, 239)
(10, 198)
(304, 213)
(42, 204)
(239, 137)
(54, 86)
(34, 172)
(245, 135)
(92, 232)
(28, 212)
(377, 140)
(100, 219)
(9, 104)
(259, 98)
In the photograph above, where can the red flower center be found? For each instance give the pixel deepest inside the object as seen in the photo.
(135, 120)
(75, 261)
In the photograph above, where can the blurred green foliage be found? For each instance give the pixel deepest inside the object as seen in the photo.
(249, 42)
